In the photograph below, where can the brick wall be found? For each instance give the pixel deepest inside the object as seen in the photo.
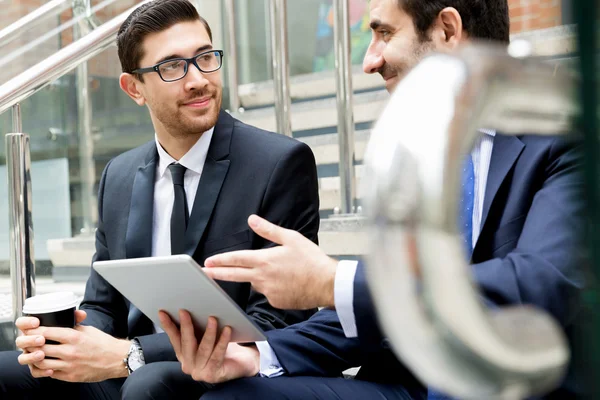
(528, 15)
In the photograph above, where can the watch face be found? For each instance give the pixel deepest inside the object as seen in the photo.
(134, 361)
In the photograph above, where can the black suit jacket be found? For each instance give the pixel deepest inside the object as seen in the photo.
(247, 171)
(528, 252)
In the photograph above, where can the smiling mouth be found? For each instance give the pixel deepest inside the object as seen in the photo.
(198, 103)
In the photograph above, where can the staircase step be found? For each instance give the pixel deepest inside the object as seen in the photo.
(307, 86)
(318, 114)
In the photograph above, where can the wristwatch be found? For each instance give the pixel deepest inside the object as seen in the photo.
(135, 357)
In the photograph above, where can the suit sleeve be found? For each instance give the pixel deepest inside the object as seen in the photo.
(544, 269)
(105, 307)
(316, 347)
(367, 325)
(291, 200)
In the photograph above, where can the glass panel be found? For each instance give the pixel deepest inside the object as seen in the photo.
(51, 119)
(310, 37)
(45, 119)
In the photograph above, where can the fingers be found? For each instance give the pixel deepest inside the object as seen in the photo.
(31, 358)
(40, 373)
(80, 316)
(26, 323)
(172, 331)
(189, 342)
(218, 356)
(61, 335)
(269, 231)
(241, 258)
(30, 341)
(231, 274)
(51, 364)
(57, 351)
(207, 345)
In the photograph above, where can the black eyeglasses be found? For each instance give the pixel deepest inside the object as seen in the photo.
(177, 68)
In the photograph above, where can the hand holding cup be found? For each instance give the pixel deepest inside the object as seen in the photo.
(49, 310)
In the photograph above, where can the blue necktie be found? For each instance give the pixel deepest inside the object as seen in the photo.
(466, 205)
(465, 221)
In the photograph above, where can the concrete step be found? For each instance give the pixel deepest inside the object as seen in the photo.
(318, 115)
(308, 86)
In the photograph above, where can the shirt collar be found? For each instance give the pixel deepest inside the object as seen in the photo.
(490, 132)
(193, 160)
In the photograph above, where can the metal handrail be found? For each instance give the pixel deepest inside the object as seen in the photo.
(32, 19)
(37, 77)
(80, 20)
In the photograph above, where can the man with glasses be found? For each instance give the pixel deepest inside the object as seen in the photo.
(189, 191)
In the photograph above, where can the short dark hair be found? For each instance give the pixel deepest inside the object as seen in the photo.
(152, 17)
(482, 19)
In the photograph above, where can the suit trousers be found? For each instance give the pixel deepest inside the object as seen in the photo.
(16, 383)
(156, 381)
(308, 388)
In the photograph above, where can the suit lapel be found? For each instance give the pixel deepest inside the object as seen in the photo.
(138, 240)
(211, 181)
(505, 153)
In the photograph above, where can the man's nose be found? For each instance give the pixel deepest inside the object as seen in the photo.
(373, 61)
(195, 79)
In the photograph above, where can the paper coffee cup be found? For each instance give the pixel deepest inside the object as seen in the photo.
(53, 309)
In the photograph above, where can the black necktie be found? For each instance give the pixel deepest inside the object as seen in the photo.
(180, 214)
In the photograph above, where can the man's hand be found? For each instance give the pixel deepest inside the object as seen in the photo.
(295, 275)
(84, 354)
(211, 361)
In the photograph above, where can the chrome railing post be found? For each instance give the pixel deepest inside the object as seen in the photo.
(343, 80)
(281, 66)
(231, 57)
(22, 261)
(17, 121)
(87, 170)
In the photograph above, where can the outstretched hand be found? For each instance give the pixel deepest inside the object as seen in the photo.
(295, 275)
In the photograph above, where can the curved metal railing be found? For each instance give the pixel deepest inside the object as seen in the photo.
(425, 297)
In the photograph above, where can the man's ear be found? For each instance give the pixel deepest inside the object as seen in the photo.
(448, 30)
(131, 85)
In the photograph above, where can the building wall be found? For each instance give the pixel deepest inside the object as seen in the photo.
(528, 15)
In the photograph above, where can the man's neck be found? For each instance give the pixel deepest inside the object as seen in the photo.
(178, 146)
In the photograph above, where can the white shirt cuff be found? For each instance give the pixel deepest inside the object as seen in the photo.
(269, 364)
(344, 296)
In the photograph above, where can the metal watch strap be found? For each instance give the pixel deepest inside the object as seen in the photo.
(134, 348)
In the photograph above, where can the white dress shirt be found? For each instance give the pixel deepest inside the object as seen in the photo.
(346, 270)
(164, 194)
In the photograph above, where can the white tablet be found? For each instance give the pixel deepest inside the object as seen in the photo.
(177, 282)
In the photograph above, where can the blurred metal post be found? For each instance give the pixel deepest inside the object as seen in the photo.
(281, 65)
(22, 261)
(232, 66)
(17, 122)
(345, 112)
(87, 170)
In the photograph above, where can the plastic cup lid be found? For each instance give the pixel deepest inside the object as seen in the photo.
(51, 302)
